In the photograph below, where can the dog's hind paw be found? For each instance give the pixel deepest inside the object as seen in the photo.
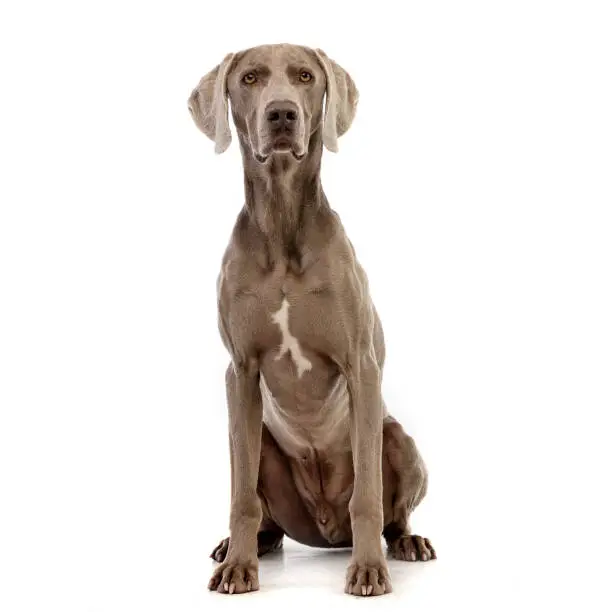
(412, 548)
(220, 551)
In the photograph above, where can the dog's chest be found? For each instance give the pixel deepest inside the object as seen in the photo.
(305, 397)
(293, 325)
(277, 311)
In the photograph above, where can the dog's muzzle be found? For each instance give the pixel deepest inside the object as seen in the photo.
(282, 130)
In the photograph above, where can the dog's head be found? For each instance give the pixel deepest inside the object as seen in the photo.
(276, 93)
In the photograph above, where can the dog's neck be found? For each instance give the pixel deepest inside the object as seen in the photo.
(283, 196)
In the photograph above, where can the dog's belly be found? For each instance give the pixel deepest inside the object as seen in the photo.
(313, 433)
(303, 424)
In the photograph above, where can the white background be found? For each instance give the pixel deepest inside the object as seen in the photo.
(476, 187)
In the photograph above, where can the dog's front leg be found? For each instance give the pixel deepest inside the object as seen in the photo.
(367, 573)
(239, 572)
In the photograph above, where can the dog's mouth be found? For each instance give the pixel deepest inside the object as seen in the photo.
(262, 159)
(281, 145)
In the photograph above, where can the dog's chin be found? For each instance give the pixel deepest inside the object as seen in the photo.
(279, 148)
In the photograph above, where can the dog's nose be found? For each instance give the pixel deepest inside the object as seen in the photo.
(281, 114)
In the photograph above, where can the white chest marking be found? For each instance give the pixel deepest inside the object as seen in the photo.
(290, 343)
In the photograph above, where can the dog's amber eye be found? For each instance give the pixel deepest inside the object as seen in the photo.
(305, 76)
(249, 78)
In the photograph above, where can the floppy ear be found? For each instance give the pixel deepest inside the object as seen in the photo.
(208, 105)
(341, 98)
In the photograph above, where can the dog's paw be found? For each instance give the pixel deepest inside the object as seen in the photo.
(267, 542)
(367, 579)
(235, 577)
(412, 548)
(220, 551)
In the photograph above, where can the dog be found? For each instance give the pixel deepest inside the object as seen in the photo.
(315, 455)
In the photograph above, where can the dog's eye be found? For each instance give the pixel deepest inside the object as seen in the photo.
(249, 78)
(305, 76)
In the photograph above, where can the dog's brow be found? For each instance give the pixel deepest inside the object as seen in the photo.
(254, 66)
(299, 67)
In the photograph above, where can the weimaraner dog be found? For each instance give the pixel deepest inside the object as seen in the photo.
(314, 453)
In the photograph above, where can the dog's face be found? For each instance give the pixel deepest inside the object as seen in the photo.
(276, 93)
(276, 99)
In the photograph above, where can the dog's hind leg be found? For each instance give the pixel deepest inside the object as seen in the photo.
(269, 539)
(405, 485)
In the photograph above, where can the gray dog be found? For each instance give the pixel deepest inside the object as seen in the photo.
(314, 452)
